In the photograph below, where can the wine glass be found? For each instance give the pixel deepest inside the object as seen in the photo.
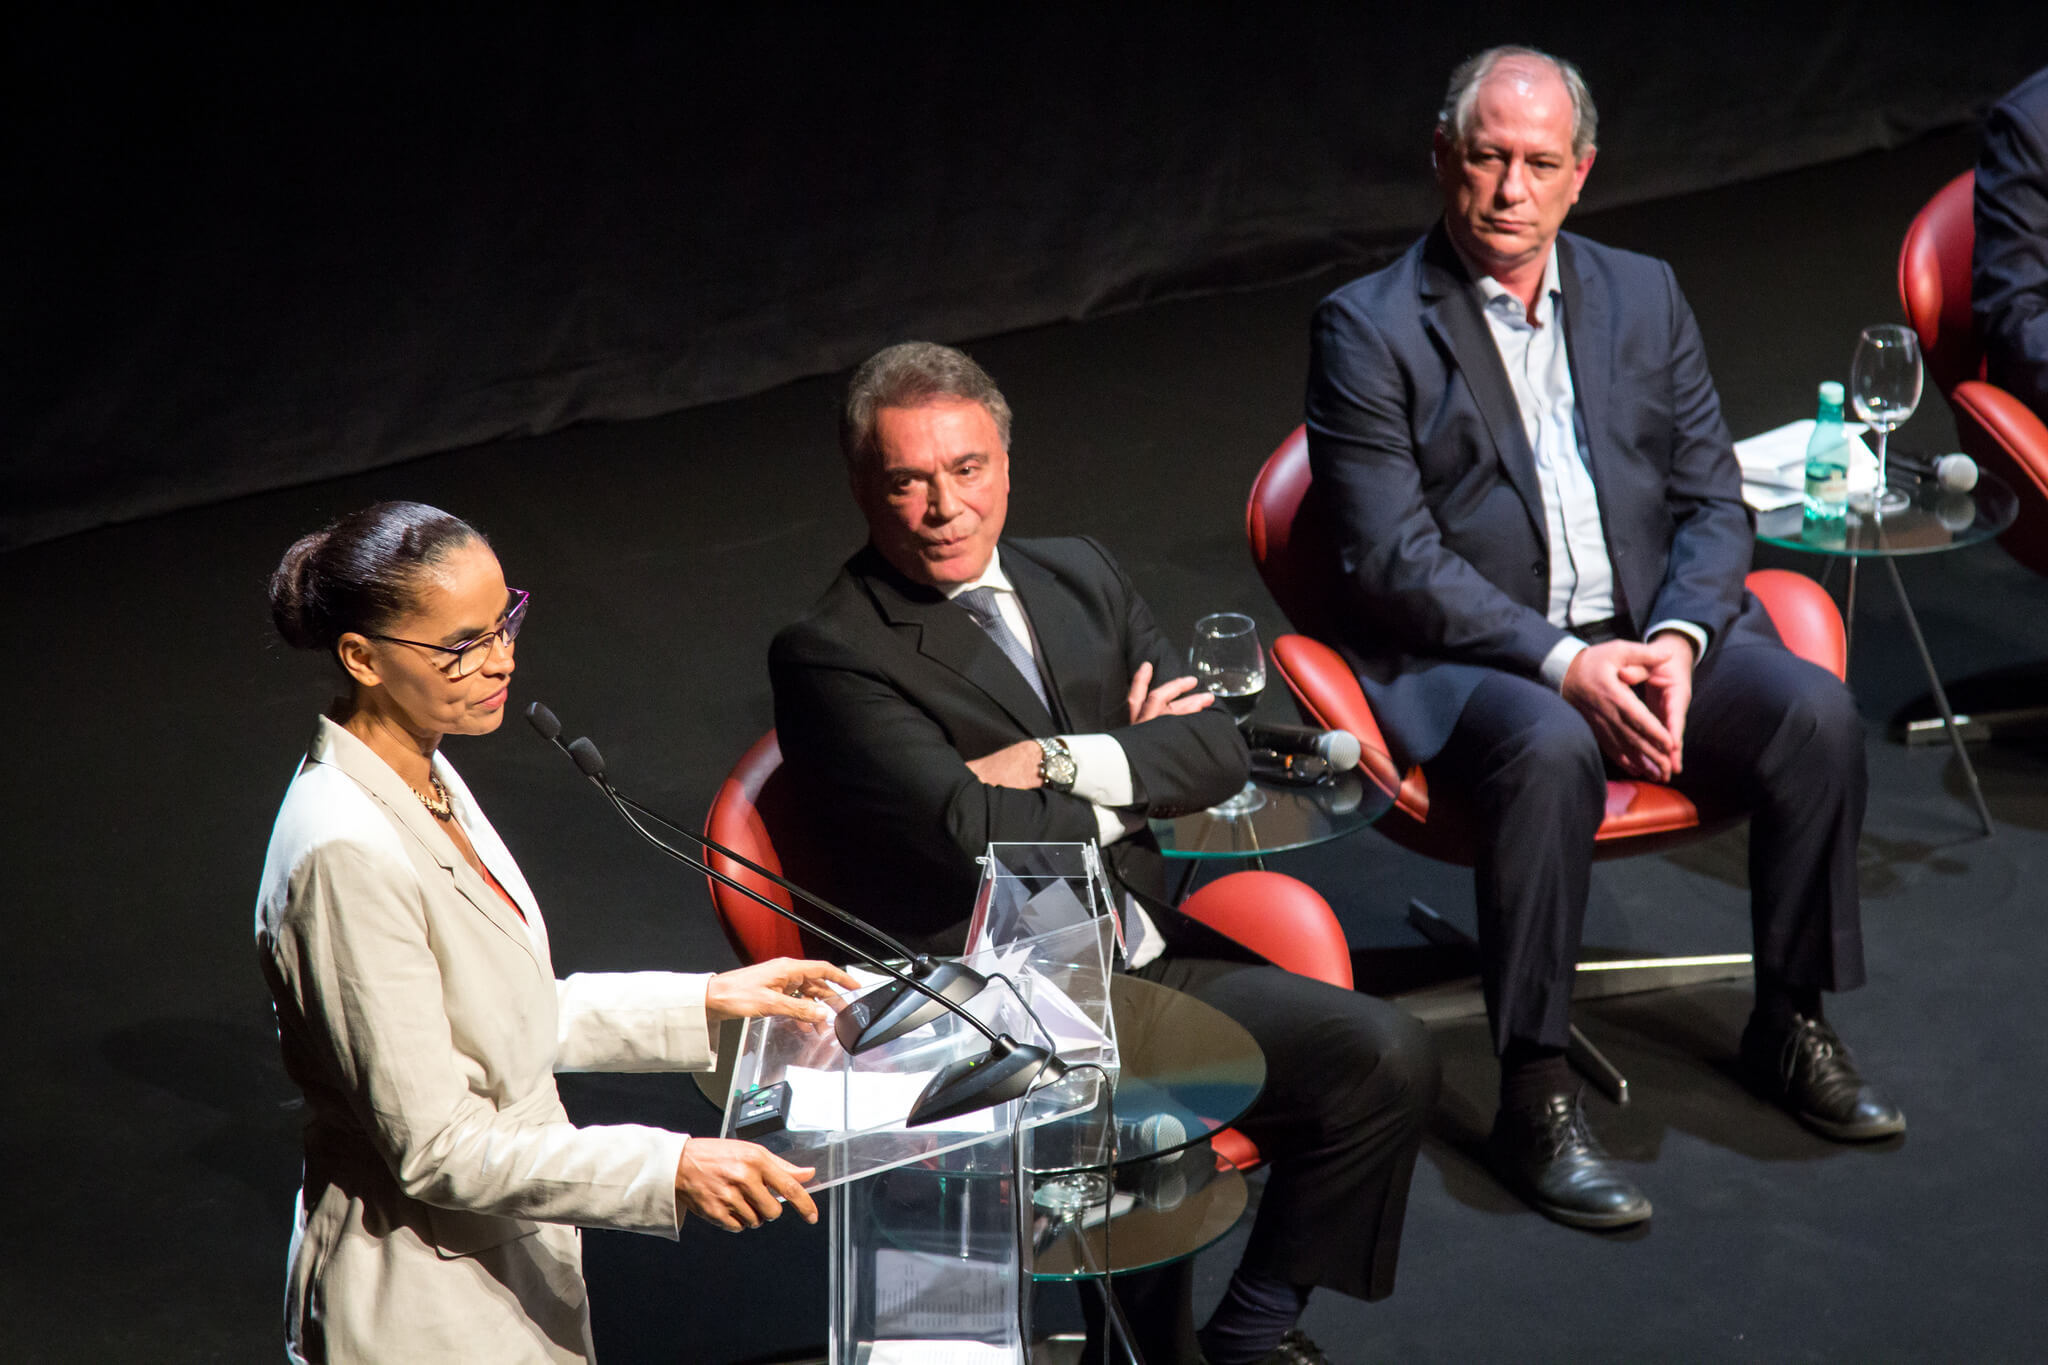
(1884, 381)
(1227, 660)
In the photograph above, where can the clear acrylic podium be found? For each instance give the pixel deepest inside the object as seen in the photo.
(930, 1231)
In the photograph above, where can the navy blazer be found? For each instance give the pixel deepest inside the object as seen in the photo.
(2009, 270)
(885, 689)
(1425, 474)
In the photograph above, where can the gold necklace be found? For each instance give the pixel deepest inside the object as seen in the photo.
(438, 804)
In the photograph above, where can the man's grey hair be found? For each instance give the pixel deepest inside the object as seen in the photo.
(909, 375)
(1455, 115)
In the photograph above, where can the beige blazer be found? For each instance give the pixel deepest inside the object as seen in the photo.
(444, 1183)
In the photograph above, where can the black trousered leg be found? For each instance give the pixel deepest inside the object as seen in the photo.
(1349, 1084)
(1766, 732)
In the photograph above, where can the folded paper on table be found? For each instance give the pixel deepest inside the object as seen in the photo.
(1774, 464)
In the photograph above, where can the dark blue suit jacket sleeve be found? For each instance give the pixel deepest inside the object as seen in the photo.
(2009, 274)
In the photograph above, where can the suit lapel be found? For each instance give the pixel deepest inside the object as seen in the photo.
(335, 745)
(948, 636)
(483, 837)
(1450, 309)
(1589, 345)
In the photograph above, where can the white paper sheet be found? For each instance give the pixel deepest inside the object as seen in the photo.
(1774, 464)
(860, 1101)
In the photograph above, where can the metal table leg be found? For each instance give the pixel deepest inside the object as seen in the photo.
(1948, 715)
(1594, 980)
(1849, 619)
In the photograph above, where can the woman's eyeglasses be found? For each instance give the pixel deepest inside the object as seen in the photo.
(467, 657)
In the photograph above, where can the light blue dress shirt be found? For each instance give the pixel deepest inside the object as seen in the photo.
(1539, 371)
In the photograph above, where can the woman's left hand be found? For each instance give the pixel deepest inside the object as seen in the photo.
(784, 985)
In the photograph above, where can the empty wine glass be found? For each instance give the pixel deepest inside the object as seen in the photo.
(1227, 660)
(1884, 382)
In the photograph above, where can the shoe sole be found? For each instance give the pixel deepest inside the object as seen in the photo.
(1595, 1221)
(1846, 1132)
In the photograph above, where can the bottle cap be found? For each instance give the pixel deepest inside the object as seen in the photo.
(1831, 392)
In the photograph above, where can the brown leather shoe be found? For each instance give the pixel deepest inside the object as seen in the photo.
(1806, 1070)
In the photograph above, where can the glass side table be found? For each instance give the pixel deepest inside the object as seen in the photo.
(1933, 520)
(1188, 1070)
(1284, 819)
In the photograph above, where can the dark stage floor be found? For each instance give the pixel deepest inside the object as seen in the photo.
(149, 1133)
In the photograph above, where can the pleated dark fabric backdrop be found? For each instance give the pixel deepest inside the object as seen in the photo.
(248, 253)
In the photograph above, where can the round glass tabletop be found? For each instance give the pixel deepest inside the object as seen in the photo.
(1285, 818)
(1160, 1211)
(1934, 520)
(1185, 1070)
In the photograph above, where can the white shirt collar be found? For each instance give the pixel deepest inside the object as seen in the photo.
(1491, 289)
(991, 577)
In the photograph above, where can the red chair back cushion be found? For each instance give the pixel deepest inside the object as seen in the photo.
(1290, 539)
(1934, 283)
(755, 785)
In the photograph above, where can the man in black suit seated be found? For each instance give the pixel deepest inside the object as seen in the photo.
(952, 688)
(1541, 533)
(2009, 270)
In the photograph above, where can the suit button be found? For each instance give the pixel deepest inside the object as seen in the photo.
(1536, 571)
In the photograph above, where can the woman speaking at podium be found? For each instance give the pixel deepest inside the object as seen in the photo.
(418, 1008)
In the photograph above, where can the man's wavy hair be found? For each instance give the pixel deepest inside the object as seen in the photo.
(908, 375)
(1455, 114)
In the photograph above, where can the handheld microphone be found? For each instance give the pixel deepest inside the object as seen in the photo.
(1338, 748)
(1956, 473)
(1007, 1071)
(1138, 1138)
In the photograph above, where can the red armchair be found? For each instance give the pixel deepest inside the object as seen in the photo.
(1295, 555)
(1995, 428)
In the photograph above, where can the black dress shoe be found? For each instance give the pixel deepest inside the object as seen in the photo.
(1806, 1069)
(1296, 1348)
(1549, 1156)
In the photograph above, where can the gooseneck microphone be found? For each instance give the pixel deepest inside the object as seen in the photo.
(934, 987)
(1338, 748)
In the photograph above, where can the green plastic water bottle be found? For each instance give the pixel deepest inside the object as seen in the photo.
(1827, 460)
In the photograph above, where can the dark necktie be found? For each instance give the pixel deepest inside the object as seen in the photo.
(981, 605)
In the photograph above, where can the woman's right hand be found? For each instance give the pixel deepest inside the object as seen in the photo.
(735, 1184)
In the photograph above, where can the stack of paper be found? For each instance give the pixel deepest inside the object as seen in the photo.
(1774, 464)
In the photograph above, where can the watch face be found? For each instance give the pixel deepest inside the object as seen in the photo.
(1057, 767)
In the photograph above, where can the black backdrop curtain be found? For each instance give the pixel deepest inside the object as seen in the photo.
(259, 251)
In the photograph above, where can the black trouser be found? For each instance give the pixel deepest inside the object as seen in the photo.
(1349, 1083)
(1767, 732)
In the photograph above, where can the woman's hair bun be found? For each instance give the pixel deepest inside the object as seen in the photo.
(359, 573)
(288, 591)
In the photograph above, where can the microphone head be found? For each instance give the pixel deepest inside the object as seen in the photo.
(1341, 750)
(1957, 473)
(543, 720)
(588, 759)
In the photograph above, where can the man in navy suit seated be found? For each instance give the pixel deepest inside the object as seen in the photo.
(1541, 533)
(2009, 271)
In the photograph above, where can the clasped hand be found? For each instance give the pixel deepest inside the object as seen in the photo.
(1643, 735)
(1016, 765)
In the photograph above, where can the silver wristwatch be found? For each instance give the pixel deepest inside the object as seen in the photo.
(1056, 766)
